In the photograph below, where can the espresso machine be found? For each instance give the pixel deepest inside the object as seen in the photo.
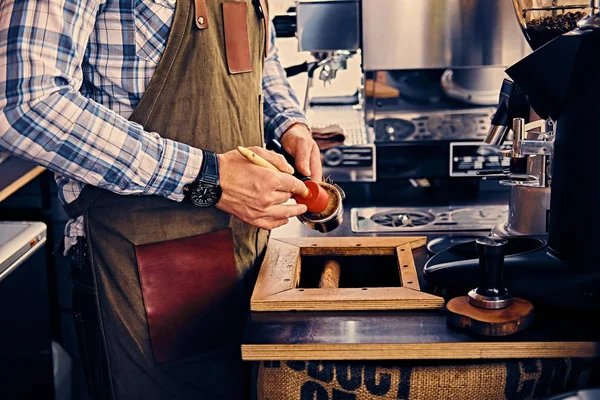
(442, 58)
(560, 82)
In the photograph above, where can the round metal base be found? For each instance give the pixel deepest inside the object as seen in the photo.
(502, 230)
(489, 302)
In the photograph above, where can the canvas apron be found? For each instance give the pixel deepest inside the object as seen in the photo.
(172, 281)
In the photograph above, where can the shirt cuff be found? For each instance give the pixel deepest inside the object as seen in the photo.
(284, 122)
(179, 165)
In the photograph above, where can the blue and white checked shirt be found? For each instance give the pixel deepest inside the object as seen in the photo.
(71, 73)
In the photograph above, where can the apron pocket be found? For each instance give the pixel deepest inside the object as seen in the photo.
(237, 44)
(191, 294)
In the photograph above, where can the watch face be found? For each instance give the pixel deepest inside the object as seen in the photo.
(205, 195)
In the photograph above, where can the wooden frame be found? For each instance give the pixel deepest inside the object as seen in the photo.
(277, 285)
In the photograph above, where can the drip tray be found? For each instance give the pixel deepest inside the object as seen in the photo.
(435, 219)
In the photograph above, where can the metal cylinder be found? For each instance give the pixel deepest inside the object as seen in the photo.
(528, 210)
(496, 135)
(518, 132)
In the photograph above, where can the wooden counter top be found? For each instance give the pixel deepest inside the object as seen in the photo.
(16, 173)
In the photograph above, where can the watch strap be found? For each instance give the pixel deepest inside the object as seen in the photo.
(210, 168)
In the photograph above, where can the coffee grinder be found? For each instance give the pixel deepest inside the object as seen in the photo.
(561, 82)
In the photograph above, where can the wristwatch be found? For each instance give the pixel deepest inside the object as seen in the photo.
(205, 190)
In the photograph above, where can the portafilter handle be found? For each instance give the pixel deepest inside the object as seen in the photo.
(275, 145)
(491, 293)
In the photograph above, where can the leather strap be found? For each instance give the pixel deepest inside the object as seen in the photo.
(264, 11)
(201, 14)
(210, 168)
(81, 204)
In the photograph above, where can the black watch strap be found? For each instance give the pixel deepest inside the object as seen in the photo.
(210, 168)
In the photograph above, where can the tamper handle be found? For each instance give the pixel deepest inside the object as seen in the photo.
(491, 259)
(275, 145)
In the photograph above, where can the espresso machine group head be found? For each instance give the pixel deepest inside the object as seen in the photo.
(561, 82)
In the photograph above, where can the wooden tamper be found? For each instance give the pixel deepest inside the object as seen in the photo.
(490, 309)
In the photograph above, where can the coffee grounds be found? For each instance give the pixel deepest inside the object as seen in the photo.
(542, 30)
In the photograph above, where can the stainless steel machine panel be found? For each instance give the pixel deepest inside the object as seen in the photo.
(434, 219)
(327, 25)
(355, 160)
(416, 34)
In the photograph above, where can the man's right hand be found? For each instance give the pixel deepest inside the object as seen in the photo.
(256, 194)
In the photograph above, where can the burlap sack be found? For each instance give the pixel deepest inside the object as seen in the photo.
(439, 380)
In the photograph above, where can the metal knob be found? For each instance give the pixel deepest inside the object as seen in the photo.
(491, 293)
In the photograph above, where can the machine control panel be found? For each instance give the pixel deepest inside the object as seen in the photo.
(354, 160)
(397, 127)
(469, 158)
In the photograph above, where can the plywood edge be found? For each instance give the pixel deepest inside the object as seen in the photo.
(22, 181)
(419, 241)
(347, 299)
(273, 278)
(420, 351)
(352, 241)
(406, 267)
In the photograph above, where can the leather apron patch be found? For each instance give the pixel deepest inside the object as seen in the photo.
(237, 45)
(190, 292)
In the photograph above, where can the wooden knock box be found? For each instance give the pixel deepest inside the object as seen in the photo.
(325, 274)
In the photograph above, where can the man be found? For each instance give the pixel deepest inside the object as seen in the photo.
(138, 106)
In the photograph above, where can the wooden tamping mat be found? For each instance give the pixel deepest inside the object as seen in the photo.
(328, 274)
(489, 309)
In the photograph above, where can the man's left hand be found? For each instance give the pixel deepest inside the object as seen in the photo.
(299, 143)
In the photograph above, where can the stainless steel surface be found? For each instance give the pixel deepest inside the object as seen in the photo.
(518, 133)
(22, 258)
(538, 151)
(327, 25)
(427, 219)
(489, 303)
(536, 147)
(528, 212)
(355, 160)
(496, 135)
(538, 166)
(477, 86)
(397, 126)
(329, 63)
(18, 241)
(409, 34)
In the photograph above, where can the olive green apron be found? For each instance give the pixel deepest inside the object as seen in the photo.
(170, 306)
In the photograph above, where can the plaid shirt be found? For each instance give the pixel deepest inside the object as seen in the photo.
(71, 73)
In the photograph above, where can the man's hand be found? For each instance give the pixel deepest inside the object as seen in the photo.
(299, 143)
(256, 194)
